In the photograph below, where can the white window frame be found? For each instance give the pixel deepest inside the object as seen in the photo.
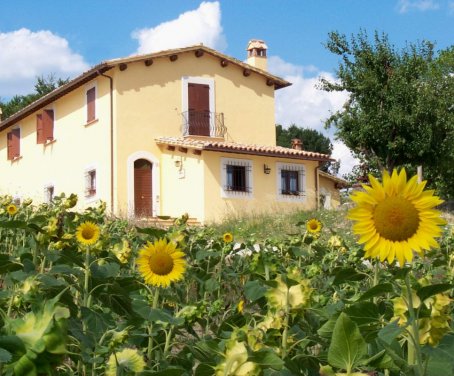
(48, 200)
(89, 86)
(91, 198)
(185, 81)
(225, 193)
(301, 168)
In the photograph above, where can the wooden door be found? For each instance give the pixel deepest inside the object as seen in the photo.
(199, 109)
(143, 194)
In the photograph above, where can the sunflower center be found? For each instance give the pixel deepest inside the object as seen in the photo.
(396, 218)
(161, 263)
(88, 233)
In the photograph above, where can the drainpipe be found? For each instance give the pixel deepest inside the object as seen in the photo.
(111, 142)
(317, 184)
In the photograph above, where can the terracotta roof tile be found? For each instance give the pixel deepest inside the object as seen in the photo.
(233, 147)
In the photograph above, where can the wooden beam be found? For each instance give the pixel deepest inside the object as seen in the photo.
(269, 82)
(182, 149)
(148, 62)
(246, 72)
(199, 53)
(197, 152)
(173, 57)
(170, 147)
(224, 63)
(123, 66)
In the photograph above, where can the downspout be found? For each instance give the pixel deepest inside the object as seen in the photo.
(317, 184)
(111, 142)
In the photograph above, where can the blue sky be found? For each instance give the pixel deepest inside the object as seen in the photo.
(66, 37)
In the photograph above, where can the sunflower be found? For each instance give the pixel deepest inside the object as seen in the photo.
(227, 237)
(161, 263)
(11, 209)
(314, 226)
(87, 233)
(396, 217)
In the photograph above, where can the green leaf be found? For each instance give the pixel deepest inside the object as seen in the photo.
(326, 330)
(267, 358)
(390, 332)
(254, 290)
(428, 291)
(363, 313)
(105, 271)
(152, 231)
(342, 275)
(203, 254)
(377, 290)
(348, 348)
(143, 309)
(169, 371)
(5, 356)
(7, 266)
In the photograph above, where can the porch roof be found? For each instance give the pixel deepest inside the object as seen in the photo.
(207, 144)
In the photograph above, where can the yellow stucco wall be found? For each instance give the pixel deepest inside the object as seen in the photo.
(327, 187)
(63, 162)
(149, 102)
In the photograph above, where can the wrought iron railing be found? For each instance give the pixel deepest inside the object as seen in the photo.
(203, 123)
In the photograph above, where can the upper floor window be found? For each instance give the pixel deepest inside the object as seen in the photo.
(236, 177)
(291, 181)
(90, 183)
(91, 104)
(13, 144)
(45, 127)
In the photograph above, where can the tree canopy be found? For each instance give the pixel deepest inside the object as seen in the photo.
(43, 86)
(400, 110)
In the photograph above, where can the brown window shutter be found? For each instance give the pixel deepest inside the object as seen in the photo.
(13, 143)
(48, 124)
(40, 139)
(91, 104)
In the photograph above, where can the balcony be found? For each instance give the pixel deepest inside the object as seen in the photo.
(203, 123)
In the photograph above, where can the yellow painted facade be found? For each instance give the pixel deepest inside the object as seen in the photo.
(146, 102)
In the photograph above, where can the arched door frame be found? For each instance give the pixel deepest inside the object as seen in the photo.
(154, 181)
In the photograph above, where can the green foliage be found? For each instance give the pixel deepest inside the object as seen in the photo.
(43, 86)
(278, 301)
(400, 108)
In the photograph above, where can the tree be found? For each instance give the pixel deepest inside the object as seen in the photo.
(396, 114)
(312, 141)
(43, 86)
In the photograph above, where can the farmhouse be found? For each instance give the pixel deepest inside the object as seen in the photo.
(186, 130)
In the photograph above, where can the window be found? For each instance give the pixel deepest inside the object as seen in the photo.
(13, 144)
(91, 104)
(49, 193)
(290, 181)
(45, 127)
(236, 177)
(90, 183)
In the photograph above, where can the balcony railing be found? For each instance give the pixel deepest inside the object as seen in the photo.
(203, 123)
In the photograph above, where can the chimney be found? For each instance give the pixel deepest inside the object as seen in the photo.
(256, 53)
(297, 144)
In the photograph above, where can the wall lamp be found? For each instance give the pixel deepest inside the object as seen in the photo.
(266, 169)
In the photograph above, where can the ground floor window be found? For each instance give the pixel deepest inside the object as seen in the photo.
(90, 182)
(49, 193)
(291, 180)
(236, 177)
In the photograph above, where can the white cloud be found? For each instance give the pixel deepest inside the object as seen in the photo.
(307, 106)
(202, 25)
(26, 55)
(404, 6)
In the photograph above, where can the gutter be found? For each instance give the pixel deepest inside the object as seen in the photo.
(111, 142)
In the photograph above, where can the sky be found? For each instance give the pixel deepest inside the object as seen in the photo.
(65, 38)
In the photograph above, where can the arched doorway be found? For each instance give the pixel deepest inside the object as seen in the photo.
(143, 193)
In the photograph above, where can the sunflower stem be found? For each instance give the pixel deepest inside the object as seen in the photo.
(150, 327)
(220, 271)
(414, 350)
(285, 332)
(86, 297)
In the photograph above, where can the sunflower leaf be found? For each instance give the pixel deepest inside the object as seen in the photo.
(376, 290)
(348, 347)
(428, 291)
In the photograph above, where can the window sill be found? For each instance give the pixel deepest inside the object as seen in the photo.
(49, 142)
(91, 122)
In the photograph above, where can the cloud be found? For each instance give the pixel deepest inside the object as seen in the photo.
(202, 25)
(404, 6)
(26, 55)
(451, 7)
(306, 106)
